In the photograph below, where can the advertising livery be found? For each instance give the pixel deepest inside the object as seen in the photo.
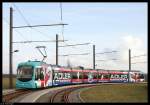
(38, 74)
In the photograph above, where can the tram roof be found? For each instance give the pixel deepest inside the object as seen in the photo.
(34, 63)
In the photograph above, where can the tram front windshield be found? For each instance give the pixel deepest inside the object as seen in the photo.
(24, 73)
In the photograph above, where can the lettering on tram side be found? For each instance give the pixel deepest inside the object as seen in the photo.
(120, 77)
(60, 76)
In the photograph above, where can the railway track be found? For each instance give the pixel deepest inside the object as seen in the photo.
(62, 96)
(10, 96)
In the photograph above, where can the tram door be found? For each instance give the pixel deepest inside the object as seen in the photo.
(39, 77)
(48, 76)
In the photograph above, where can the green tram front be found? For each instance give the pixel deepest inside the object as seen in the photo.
(33, 74)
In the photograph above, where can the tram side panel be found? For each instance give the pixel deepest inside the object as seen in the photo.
(118, 76)
(61, 77)
(43, 76)
(90, 76)
(137, 77)
(48, 76)
(94, 76)
(76, 76)
(103, 76)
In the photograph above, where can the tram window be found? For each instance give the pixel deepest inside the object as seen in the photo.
(41, 74)
(24, 73)
(99, 76)
(141, 76)
(53, 76)
(94, 76)
(80, 76)
(106, 76)
(38, 74)
(74, 75)
(85, 76)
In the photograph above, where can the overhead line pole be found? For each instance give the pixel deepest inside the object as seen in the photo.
(56, 49)
(93, 57)
(11, 49)
(129, 65)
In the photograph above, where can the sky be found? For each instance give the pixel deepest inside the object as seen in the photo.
(108, 26)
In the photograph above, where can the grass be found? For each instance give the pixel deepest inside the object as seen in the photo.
(5, 82)
(116, 93)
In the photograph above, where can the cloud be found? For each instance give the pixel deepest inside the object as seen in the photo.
(137, 48)
(131, 42)
(136, 45)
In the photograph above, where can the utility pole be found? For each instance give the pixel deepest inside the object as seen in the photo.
(129, 65)
(56, 49)
(93, 57)
(10, 49)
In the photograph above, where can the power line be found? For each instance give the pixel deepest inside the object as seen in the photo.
(31, 26)
(107, 60)
(107, 52)
(25, 19)
(15, 30)
(40, 25)
(40, 41)
(21, 14)
(138, 56)
(139, 62)
(75, 54)
(19, 34)
(40, 32)
(75, 45)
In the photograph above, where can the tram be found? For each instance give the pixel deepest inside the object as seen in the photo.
(38, 74)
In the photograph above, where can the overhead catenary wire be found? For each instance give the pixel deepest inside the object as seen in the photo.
(139, 62)
(31, 26)
(138, 56)
(24, 19)
(75, 54)
(107, 52)
(61, 18)
(16, 30)
(107, 60)
(74, 45)
(22, 15)
(39, 41)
